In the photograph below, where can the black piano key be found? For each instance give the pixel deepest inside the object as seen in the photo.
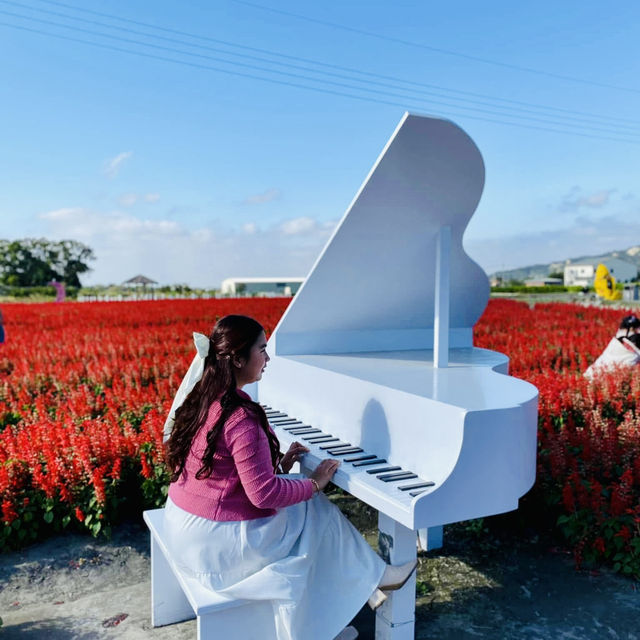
(295, 427)
(319, 439)
(276, 414)
(308, 430)
(395, 477)
(324, 437)
(369, 456)
(413, 494)
(340, 452)
(384, 469)
(335, 446)
(366, 463)
(418, 485)
(283, 421)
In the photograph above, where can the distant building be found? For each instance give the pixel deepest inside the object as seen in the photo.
(582, 273)
(260, 286)
(543, 282)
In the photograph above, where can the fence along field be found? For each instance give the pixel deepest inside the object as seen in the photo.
(84, 390)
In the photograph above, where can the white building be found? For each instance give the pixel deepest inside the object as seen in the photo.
(582, 273)
(260, 286)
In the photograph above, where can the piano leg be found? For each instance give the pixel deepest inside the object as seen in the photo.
(431, 538)
(395, 619)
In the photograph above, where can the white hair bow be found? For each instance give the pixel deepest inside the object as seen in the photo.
(192, 376)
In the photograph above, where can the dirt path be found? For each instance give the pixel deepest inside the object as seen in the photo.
(480, 586)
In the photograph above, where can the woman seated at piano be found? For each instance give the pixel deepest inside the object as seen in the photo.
(623, 349)
(239, 522)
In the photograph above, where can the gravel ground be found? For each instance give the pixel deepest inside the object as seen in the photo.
(481, 585)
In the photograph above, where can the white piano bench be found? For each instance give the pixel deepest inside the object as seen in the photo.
(176, 597)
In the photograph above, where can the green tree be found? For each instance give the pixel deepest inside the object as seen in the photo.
(34, 262)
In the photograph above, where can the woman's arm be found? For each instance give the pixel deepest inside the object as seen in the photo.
(249, 447)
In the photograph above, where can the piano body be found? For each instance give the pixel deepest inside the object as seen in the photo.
(373, 362)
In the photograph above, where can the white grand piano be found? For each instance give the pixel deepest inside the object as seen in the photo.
(373, 362)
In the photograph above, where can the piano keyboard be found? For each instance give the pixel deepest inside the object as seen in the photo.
(361, 473)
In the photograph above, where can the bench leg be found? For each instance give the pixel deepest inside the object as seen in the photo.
(395, 619)
(168, 602)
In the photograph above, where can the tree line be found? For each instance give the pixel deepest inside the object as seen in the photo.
(35, 262)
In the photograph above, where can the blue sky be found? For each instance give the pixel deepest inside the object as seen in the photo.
(169, 158)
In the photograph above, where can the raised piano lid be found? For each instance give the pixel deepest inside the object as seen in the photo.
(373, 287)
(353, 354)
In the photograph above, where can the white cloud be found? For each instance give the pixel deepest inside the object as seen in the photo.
(268, 196)
(112, 167)
(168, 252)
(85, 223)
(298, 226)
(575, 199)
(61, 214)
(587, 236)
(128, 199)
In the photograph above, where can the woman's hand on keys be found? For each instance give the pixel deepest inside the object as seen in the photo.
(295, 452)
(324, 472)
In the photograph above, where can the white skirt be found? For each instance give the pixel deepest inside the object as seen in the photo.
(308, 560)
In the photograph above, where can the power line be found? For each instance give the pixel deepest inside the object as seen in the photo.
(287, 83)
(531, 108)
(420, 45)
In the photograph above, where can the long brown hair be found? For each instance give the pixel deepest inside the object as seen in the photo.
(232, 338)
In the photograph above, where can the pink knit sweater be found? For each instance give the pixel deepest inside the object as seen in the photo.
(242, 485)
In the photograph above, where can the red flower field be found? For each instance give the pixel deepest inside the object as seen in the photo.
(85, 387)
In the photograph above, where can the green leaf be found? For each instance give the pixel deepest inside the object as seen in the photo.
(48, 517)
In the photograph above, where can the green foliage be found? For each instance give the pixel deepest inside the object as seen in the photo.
(522, 288)
(37, 292)
(422, 588)
(476, 528)
(597, 541)
(34, 262)
(155, 488)
(124, 499)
